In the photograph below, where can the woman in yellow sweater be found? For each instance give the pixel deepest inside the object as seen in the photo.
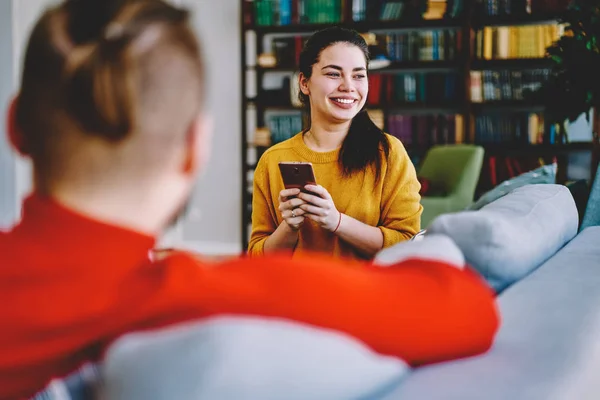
(367, 196)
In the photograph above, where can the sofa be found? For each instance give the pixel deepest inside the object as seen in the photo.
(527, 245)
(548, 346)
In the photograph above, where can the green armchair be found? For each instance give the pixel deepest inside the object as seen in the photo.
(456, 169)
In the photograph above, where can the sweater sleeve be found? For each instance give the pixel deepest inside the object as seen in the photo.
(423, 311)
(400, 204)
(264, 221)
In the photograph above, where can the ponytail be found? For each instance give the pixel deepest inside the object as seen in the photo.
(363, 146)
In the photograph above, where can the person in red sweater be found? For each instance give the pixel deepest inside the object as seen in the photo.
(110, 110)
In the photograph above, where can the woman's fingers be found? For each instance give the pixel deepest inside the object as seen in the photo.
(310, 209)
(312, 199)
(291, 204)
(293, 213)
(319, 191)
(285, 194)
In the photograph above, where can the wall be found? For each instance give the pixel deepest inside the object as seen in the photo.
(8, 210)
(213, 223)
(16, 20)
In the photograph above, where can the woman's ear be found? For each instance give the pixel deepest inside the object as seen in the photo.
(303, 83)
(15, 134)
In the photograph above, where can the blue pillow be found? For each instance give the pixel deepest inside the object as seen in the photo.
(545, 174)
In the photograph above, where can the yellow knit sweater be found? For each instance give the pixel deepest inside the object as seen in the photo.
(392, 204)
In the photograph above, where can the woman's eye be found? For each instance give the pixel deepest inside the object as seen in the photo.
(334, 74)
(360, 76)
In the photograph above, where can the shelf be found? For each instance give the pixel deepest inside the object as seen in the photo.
(361, 26)
(272, 106)
(408, 106)
(420, 66)
(512, 19)
(512, 63)
(427, 108)
(535, 149)
(464, 60)
(396, 66)
(262, 70)
(507, 105)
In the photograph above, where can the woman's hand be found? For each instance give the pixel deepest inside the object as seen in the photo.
(320, 208)
(289, 208)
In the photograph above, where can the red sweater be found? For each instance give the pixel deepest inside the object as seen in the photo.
(70, 285)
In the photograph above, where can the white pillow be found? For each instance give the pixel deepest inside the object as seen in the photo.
(435, 247)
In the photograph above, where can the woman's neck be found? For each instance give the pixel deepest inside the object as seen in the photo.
(326, 138)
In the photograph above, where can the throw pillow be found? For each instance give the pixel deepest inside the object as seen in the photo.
(428, 247)
(512, 236)
(544, 174)
(429, 188)
(425, 185)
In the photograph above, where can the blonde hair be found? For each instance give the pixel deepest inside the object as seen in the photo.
(108, 70)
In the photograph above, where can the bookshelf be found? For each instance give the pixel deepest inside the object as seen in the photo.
(458, 71)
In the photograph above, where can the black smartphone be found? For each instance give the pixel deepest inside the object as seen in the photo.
(297, 174)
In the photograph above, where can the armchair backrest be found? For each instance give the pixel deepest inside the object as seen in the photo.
(455, 167)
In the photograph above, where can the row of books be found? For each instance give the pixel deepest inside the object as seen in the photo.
(283, 127)
(506, 85)
(386, 10)
(516, 128)
(413, 87)
(426, 130)
(287, 12)
(439, 44)
(287, 50)
(497, 169)
(378, 10)
(520, 7)
(504, 42)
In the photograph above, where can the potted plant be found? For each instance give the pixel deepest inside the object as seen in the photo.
(573, 87)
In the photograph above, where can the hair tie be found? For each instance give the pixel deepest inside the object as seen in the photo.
(338, 224)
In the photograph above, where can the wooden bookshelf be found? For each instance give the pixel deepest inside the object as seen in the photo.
(415, 110)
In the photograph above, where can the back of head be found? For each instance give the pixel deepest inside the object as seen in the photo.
(122, 75)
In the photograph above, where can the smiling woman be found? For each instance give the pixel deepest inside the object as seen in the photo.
(367, 196)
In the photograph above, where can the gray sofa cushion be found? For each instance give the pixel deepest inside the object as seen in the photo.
(548, 346)
(239, 358)
(510, 237)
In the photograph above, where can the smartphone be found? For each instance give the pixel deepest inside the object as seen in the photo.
(297, 174)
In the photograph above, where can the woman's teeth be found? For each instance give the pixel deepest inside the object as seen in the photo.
(344, 101)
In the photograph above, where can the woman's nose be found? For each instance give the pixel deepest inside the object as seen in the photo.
(346, 85)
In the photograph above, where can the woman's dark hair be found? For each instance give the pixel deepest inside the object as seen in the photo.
(365, 141)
